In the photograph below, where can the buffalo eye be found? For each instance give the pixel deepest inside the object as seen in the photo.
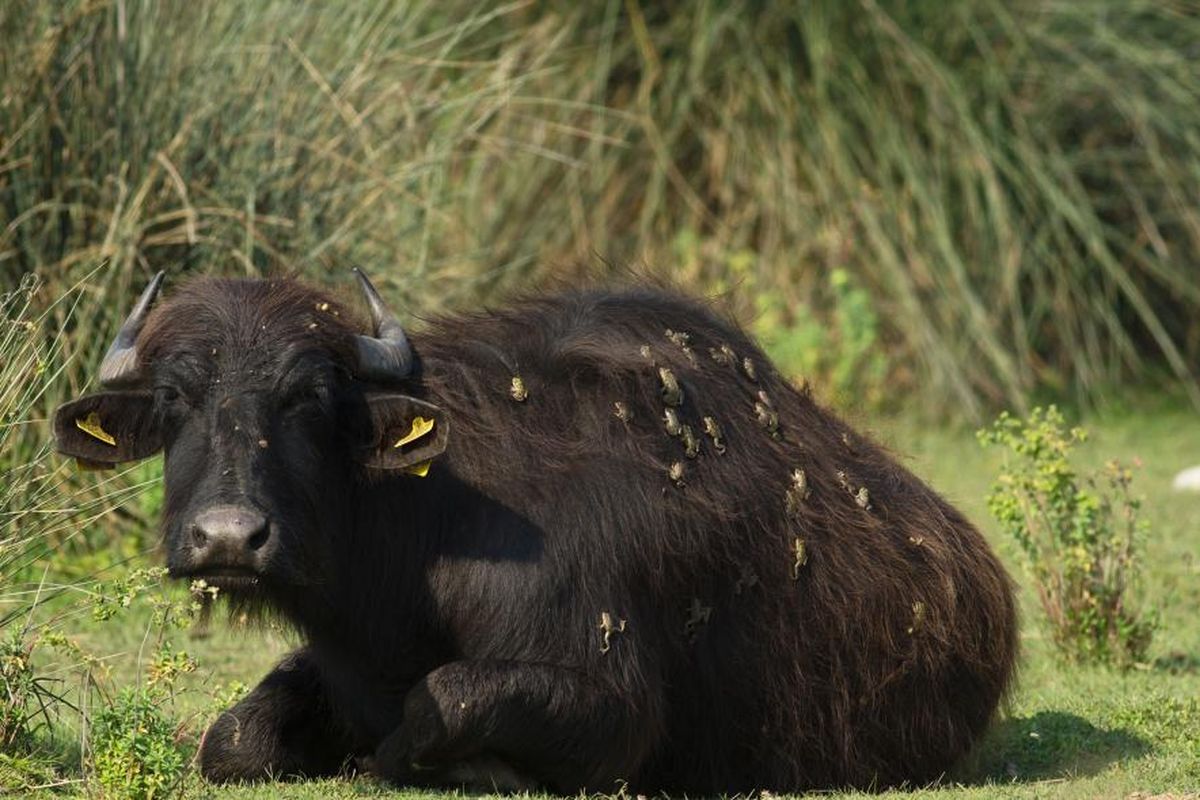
(169, 397)
(304, 401)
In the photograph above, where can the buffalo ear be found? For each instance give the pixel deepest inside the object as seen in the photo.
(100, 430)
(407, 433)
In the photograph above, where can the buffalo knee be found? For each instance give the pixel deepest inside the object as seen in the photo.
(282, 728)
(559, 725)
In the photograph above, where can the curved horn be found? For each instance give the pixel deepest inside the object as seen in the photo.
(119, 367)
(387, 355)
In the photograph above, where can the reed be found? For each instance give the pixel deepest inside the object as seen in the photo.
(1015, 185)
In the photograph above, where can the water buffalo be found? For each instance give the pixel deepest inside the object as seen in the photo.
(589, 538)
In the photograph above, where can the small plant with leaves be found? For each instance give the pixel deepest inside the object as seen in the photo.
(839, 350)
(1078, 532)
(137, 746)
(18, 693)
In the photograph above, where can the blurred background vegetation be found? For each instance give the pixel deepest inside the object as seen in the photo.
(968, 203)
(951, 208)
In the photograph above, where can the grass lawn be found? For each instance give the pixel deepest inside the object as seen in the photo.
(1067, 732)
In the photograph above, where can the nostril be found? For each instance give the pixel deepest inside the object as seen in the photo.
(199, 537)
(258, 538)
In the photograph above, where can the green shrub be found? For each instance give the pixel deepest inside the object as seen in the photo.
(135, 746)
(839, 352)
(18, 694)
(29, 700)
(1078, 533)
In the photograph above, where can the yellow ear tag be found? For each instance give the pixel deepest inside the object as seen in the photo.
(91, 426)
(420, 427)
(420, 470)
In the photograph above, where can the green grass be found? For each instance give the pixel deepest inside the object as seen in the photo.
(1068, 731)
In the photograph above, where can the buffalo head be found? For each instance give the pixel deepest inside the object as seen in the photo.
(271, 408)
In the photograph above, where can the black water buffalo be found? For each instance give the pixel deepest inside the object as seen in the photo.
(589, 538)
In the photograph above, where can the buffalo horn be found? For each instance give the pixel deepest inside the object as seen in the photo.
(120, 367)
(386, 356)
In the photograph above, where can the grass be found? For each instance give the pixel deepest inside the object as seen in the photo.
(39, 518)
(1014, 185)
(1069, 731)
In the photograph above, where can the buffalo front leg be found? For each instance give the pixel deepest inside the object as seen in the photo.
(514, 726)
(283, 728)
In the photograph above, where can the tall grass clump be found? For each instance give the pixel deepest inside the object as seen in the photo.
(1079, 533)
(27, 519)
(212, 137)
(1012, 184)
(41, 511)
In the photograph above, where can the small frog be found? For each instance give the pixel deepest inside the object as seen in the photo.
(797, 493)
(749, 368)
(675, 473)
(681, 340)
(672, 393)
(863, 498)
(691, 445)
(800, 552)
(698, 616)
(678, 338)
(714, 431)
(608, 627)
(767, 418)
(723, 355)
(918, 609)
(671, 420)
(518, 390)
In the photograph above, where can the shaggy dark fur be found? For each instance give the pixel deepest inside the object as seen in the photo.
(569, 600)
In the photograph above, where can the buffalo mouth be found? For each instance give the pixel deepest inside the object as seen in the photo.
(222, 576)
